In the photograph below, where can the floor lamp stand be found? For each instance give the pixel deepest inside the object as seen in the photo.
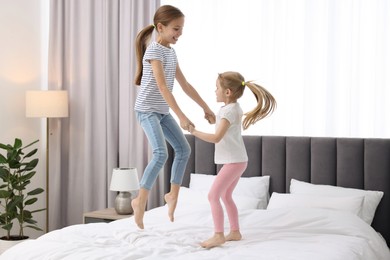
(47, 175)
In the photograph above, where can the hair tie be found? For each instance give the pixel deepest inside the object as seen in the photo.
(243, 83)
(154, 26)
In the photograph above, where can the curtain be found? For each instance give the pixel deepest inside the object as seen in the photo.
(326, 62)
(91, 56)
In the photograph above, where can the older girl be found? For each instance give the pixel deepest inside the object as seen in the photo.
(157, 68)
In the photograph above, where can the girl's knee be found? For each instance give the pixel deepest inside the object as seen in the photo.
(182, 148)
(213, 197)
(186, 151)
(183, 153)
(227, 199)
(161, 156)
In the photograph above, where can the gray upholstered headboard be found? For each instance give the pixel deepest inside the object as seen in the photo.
(347, 162)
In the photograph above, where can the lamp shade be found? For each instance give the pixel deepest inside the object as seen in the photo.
(124, 179)
(47, 103)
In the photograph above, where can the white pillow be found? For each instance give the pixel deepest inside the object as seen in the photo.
(370, 202)
(247, 187)
(201, 182)
(197, 198)
(352, 204)
(190, 197)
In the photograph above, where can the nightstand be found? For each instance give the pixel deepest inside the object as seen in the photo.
(104, 215)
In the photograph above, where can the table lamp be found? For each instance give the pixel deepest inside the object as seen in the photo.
(124, 180)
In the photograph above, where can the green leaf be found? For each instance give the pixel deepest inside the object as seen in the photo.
(31, 153)
(4, 194)
(22, 186)
(30, 201)
(3, 160)
(14, 163)
(31, 221)
(34, 227)
(36, 191)
(27, 214)
(4, 174)
(4, 146)
(31, 165)
(27, 176)
(18, 143)
(7, 227)
(16, 202)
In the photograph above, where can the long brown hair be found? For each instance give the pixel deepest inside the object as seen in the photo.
(266, 103)
(164, 15)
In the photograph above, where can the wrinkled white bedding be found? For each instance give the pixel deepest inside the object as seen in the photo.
(267, 234)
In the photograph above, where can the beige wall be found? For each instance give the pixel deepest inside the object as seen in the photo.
(23, 66)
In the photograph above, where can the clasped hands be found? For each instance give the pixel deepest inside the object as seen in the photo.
(189, 126)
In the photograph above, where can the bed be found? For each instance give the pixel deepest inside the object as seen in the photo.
(300, 198)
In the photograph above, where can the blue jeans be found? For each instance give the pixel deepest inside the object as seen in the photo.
(160, 128)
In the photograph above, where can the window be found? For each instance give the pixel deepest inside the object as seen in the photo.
(324, 61)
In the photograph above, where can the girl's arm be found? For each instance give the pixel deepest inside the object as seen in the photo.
(158, 72)
(212, 138)
(194, 95)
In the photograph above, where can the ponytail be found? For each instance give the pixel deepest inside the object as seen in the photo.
(266, 105)
(140, 48)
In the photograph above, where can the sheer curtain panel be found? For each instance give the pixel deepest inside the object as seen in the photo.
(91, 56)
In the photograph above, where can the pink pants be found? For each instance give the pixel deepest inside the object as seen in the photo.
(222, 188)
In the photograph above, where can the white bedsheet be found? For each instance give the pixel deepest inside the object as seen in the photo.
(267, 234)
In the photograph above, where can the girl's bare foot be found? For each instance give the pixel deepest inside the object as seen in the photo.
(234, 236)
(216, 240)
(171, 202)
(138, 213)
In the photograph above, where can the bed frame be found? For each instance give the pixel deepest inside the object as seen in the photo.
(347, 162)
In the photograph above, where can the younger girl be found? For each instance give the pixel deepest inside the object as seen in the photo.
(230, 149)
(157, 68)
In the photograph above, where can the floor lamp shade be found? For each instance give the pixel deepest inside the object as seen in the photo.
(47, 103)
(124, 180)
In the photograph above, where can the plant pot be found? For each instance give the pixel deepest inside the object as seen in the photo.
(5, 244)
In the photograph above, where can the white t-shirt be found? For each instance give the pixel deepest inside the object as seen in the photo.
(231, 149)
(149, 98)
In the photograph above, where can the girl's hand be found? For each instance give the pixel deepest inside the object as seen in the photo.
(191, 129)
(185, 124)
(210, 116)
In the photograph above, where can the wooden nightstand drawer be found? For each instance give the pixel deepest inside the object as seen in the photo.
(105, 215)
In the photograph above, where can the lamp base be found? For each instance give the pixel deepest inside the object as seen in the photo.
(123, 203)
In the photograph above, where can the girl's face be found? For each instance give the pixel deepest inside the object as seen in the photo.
(170, 34)
(220, 93)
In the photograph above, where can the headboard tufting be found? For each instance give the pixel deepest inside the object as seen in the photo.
(362, 163)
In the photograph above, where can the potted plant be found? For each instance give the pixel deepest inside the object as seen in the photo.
(16, 171)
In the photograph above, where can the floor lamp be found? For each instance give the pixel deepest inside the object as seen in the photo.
(47, 104)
